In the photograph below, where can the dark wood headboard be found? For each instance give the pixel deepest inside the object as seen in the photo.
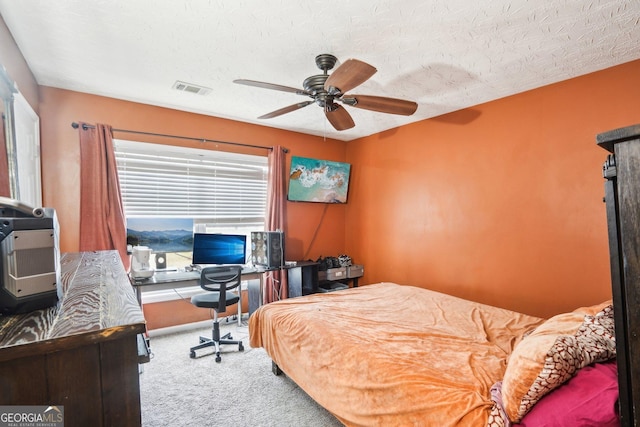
(622, 195)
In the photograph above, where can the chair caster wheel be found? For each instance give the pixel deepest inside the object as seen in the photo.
(218, 358)
(202, 339)
(192, 354)
(240, 347)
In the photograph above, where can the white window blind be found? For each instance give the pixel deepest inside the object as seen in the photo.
(225, 189)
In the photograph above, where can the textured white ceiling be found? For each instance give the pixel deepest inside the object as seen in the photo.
(443, 54)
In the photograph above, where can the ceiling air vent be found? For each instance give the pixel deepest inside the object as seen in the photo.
(191, 88)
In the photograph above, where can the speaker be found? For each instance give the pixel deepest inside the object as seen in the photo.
(161, 261)
(267, 248)
(29, 262)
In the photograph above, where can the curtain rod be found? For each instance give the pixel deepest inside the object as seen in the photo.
(86, 126)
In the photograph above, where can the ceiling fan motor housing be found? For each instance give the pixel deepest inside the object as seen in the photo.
(315, 86)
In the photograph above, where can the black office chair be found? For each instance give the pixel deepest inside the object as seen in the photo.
(218, 280)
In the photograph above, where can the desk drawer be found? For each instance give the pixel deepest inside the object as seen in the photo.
(355, 271)
(333, 274)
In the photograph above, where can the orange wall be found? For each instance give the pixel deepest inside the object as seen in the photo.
(61, 158)
(506, 209)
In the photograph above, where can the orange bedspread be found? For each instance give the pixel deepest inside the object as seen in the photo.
(392, 355)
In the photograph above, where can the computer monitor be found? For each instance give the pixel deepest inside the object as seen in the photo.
(219, 249)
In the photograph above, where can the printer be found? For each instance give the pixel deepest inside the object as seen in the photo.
(29, 257)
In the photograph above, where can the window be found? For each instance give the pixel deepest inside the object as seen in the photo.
(221, 192)
(26, 127)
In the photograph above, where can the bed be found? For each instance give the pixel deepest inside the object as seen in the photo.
(387, 354)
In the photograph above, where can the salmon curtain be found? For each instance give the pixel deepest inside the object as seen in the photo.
(275, 284)
(102, 220)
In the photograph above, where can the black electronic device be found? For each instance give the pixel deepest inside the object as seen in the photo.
(267, 248)
(30, 257)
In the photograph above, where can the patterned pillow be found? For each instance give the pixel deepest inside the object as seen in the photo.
(553, 353)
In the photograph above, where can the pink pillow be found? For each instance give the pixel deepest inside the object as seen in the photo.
(588, 399)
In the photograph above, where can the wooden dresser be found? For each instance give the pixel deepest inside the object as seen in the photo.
(81, 354)
(622, 195)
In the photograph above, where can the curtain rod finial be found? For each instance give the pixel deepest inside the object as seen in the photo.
(84, 126)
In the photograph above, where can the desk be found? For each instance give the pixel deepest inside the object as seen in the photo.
(304, 277)
(163, 280)
(81, 353)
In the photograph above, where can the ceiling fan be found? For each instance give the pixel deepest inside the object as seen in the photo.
(325, 90)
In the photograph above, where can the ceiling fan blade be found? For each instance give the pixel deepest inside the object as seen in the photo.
(381, 104)
(339, 118)
(271, 86)
(285, 110)
(350, 74)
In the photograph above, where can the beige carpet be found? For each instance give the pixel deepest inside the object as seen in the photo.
(240, 391)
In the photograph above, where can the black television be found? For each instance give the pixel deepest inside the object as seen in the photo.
(219, 249)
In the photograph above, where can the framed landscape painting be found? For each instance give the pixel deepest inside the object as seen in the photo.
(161, 234)
(319, 181)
